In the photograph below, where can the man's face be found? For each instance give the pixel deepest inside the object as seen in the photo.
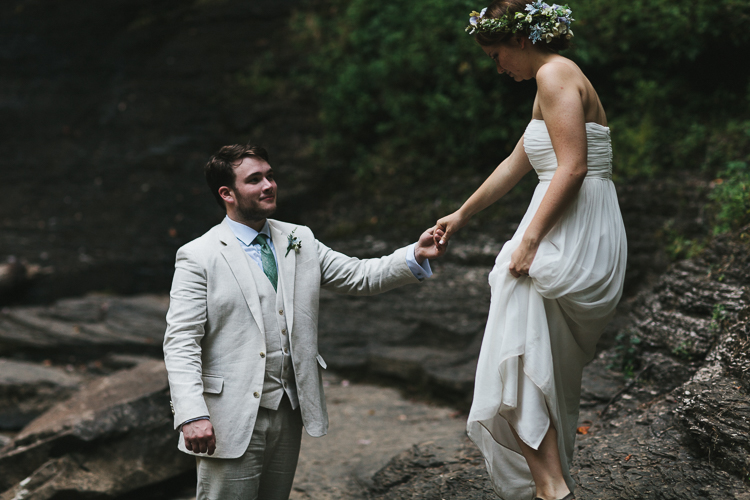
(254, 189)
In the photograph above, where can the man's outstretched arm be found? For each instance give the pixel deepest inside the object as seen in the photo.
(354, 276)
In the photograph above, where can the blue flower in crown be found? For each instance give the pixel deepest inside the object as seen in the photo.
(536, 34)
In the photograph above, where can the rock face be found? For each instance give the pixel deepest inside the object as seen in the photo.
(111, 437)
(418, 334)
(92, 325)
(28, 389)
(129, 114)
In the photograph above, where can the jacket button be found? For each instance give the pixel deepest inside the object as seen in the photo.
(263, 355)
(283, 331)
(256, 394)
(281, 311)
(286, 351)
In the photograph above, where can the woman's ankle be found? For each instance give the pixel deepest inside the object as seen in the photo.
(552, 492)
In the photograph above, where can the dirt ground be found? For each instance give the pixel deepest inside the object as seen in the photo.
(369, 424)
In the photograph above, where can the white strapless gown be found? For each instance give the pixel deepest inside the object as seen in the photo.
(542, 329)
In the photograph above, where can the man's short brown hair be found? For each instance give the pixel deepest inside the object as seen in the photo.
(219, 170)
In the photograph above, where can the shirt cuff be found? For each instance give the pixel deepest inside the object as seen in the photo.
(419, 272)
(193, 420)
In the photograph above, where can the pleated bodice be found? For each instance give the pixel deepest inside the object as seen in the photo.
(538, 146)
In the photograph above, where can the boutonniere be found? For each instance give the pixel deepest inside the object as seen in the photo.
(294, 243)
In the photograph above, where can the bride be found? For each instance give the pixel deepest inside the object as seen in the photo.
(556, 283)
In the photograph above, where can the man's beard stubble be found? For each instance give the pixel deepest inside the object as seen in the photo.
(253, 213)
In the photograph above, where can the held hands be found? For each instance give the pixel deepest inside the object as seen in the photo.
(446, 226)
(199, 436)
(522, 257)
(427, 248)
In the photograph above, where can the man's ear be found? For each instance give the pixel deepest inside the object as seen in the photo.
(226, 194)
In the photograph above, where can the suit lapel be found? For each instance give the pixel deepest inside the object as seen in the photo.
(287, 268)
(238, 263)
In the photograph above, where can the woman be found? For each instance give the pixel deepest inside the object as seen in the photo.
(556, 283)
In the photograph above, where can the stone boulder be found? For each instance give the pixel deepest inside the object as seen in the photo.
(29, 389)
(417, 334)
(88, 326)
(113, 436)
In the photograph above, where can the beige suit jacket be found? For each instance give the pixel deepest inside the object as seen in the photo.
(215, 340)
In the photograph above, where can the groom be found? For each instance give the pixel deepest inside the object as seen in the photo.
(241, 345)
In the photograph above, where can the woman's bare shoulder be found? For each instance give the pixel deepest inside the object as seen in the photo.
(558, 71)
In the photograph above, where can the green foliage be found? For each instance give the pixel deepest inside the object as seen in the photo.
(404, 92)
(684, 350)
(678, 246)
(731, 197)
(407, 97)
(719, 313)
(626, 349)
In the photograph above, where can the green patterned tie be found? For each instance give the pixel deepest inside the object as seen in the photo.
(267, 259)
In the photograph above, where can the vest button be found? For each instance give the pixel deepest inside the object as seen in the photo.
(256, 394)
(283, 331)
(281, 311)
(263, 355)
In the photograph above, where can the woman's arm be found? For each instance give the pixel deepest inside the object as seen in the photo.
(560, 100)
(500, 181)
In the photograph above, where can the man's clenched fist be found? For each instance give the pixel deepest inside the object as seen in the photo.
(199, 436)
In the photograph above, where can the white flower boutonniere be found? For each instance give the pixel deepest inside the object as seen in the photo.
(294, 243)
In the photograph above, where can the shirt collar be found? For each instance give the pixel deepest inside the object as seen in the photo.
(246, 234)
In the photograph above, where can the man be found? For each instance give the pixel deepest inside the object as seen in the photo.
(241, 344)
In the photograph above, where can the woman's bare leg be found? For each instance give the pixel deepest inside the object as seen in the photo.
(545, 466)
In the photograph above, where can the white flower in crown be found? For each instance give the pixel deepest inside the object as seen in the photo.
(476, 17)
(294, 243)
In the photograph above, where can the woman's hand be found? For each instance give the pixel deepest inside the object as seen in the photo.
(520, 261)
(448, 225)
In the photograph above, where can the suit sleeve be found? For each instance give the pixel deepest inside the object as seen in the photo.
(186, 320)
(353, 276)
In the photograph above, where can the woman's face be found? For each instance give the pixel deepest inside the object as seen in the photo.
(509, 58)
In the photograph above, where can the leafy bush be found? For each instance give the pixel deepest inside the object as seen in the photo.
(625, 357)
(667, 74)
(731, 197)
(404, 92)
(405, 95)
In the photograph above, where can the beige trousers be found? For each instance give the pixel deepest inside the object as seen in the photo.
(266, 470)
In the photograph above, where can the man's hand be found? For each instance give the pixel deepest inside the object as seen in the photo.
(427, 248)
(199, 436)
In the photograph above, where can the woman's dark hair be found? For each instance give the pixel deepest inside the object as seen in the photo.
(219, 170)
(498, 9)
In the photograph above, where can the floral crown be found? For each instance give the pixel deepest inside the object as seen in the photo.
(540, 22)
